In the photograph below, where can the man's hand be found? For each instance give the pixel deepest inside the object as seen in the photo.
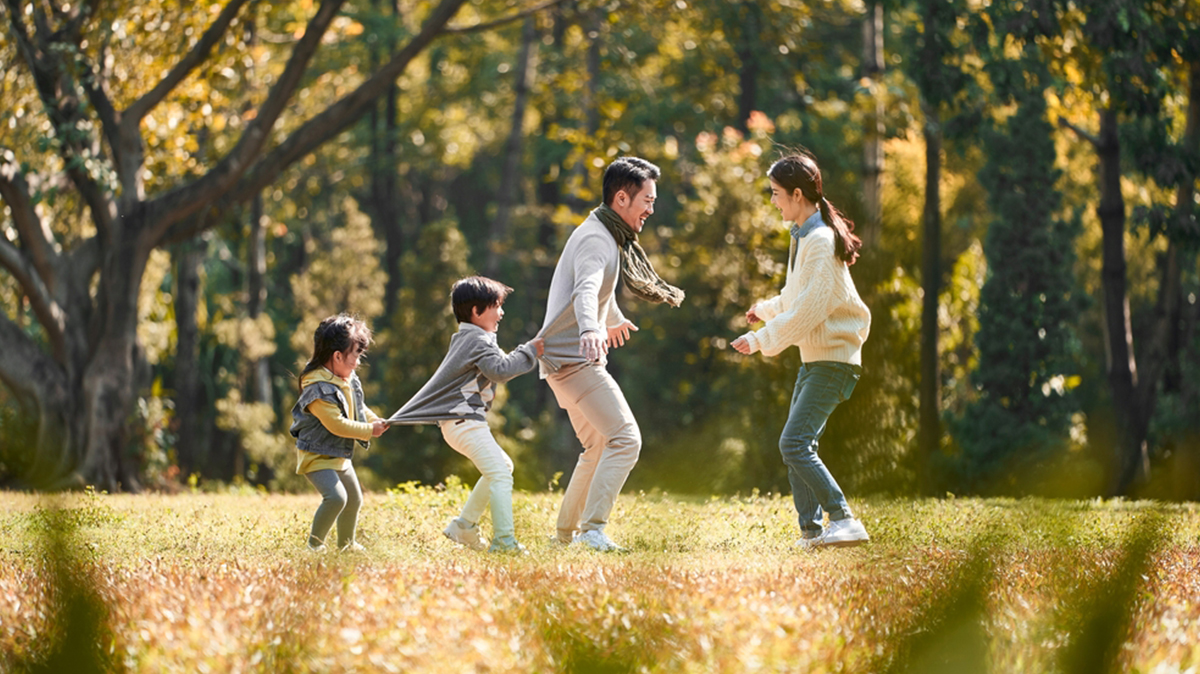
(378, 427)
(741, 345)
(751, 317)
(592, 346)
(539, 346)
(620, 333)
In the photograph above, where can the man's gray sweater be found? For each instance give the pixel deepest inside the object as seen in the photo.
(464, 385)
(582, 294)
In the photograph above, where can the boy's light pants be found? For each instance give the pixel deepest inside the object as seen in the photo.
(473, 439)
(611, 443)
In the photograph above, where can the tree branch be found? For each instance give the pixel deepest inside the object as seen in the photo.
(495, 23)
(1066, 124)
(316, 131)
(23, 366)
(49, 314)
(58, 95)
(179, 203)
(134, 114)
(35, 235)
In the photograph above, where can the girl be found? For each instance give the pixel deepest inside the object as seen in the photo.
(327, 421)
(820, 312)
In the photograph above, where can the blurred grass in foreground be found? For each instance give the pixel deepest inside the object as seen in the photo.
(216, 583)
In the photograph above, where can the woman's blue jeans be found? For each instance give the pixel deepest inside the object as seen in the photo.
(820, 387)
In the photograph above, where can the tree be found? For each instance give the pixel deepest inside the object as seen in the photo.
(1028, 304)
(1128, 46)
(75, 375)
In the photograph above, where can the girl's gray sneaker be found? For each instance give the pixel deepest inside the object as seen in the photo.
(463, 532)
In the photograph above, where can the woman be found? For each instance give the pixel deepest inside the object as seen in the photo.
(820, 312)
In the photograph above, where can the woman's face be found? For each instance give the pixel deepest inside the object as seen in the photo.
(788, 204)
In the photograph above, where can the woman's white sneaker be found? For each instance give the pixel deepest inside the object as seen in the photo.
(841, 533)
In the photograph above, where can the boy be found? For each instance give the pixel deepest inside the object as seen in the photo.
(457, 399)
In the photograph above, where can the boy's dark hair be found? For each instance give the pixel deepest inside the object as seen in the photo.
(629, 174)
(476, 293)
(336, 333)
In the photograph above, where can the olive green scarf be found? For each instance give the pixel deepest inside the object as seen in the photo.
(636, 270)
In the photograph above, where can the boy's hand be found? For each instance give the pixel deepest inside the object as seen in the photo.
(539, 345)
(378, 427)
(592, 346)
(618, 335)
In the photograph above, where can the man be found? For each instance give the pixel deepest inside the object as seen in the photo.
(582, 323)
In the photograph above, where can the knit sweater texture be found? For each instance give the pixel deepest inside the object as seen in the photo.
(819, 310)
(582, 294)
(464, 385)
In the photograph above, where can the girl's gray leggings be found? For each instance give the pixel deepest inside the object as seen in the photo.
(341, 500)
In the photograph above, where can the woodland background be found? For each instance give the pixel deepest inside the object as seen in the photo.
(188, 188)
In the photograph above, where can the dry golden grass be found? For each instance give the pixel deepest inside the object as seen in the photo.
(222, 583)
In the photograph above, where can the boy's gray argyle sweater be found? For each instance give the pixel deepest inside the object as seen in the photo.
(465, 383)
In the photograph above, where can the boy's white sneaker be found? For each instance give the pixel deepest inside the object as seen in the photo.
(460, 531)
(598, 541)
(839, 534)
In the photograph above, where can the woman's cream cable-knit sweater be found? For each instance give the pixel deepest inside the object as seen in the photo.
(818, 311)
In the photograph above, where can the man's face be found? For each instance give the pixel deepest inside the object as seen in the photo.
(635, 209)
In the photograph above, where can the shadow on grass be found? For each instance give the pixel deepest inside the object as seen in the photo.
(950, 635)
(1104, 613)
(78, 637)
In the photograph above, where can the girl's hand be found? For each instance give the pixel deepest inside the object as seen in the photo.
(741, 345)
(378, 427)
(751, 317)
(539, 345)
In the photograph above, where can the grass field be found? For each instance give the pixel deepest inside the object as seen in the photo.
(222, 583)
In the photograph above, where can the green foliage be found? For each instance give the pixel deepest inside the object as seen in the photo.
(1028, 307)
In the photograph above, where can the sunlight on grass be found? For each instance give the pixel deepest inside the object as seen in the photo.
(216, 583)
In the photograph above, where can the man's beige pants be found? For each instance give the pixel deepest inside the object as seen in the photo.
(611, 443)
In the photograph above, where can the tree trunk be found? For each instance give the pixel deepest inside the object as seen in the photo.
(748, 69)
(260, 369)
(188, 257)
(931, 277)
(873, 130)
(108, 378)
(1118, 333)
(509, 178)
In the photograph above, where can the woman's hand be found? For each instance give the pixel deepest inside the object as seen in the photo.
(741, 345)
(378, 427)
(751, 317)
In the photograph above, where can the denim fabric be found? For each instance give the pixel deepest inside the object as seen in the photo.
(820, 387)
(311, 435)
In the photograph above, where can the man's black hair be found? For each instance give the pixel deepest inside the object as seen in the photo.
(629, 174)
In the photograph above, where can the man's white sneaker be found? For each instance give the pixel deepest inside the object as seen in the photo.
(460, 531)
(596, 540)
(840, 534)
